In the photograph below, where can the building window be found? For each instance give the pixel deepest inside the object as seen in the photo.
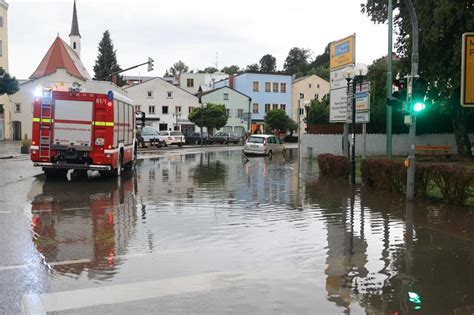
(267, 108)
(316, 96)
(227, 112)
(138, 108)
(255, 86)
(309, 85)
(226, 96)
(178, 110)
(1, 21)
(275, 87)
(74, 45)
(17, 108)
(275, 106)
(317, 86)
(255, 108)
(164, 110)
(283, 106)
(169, 94)
(151, 109)
(283, 87)
(301, 96)
(190, 109)
(240, 113)
(1, 48)
(149, 94)
(190, 82)
(268, 87)
(301, 111)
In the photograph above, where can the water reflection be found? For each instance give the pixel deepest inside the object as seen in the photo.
(85, 228)
(319, 246)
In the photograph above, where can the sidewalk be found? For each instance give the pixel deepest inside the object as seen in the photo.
(10, 149)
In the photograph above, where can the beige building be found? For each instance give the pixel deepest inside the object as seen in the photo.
(3, 61)
(305, 90)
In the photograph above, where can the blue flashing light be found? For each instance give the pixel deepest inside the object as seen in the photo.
(110, 96)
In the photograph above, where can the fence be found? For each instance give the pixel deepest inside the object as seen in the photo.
(315, 144)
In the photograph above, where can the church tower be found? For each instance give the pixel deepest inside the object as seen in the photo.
(75, 37)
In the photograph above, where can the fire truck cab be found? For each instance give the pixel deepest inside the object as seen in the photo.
(83, 130)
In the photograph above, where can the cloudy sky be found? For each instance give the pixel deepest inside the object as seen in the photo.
(240, 32)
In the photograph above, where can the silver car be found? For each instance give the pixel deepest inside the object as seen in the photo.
(172, 137)
(264, 145)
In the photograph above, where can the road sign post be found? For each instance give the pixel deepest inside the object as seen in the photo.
(467, 70)
(342, 54)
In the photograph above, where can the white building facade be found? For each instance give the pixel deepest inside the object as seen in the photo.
(3, 63)
(192, 82)
(166, 106)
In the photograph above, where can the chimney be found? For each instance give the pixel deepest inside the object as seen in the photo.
(231, 81)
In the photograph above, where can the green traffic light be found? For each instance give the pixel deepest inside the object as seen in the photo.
(418, 107)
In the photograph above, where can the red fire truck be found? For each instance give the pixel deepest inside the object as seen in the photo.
(83, 131)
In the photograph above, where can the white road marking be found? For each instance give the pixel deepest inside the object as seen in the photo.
(122, 293)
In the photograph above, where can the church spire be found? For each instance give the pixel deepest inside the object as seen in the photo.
(75, 24)
(75, 37)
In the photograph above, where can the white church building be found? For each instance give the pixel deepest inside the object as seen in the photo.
(59, 69)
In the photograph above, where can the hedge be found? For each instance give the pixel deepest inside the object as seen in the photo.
(334, 166)
(456, 183)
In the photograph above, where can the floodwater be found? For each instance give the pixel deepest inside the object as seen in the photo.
(209, 233)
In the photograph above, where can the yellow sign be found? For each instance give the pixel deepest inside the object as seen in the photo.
(342, 52)
(467, 71)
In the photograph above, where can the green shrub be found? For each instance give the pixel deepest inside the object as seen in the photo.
(383, 174)
(454, 182)
(334, 166)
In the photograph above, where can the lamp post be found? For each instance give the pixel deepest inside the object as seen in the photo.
(356, 75)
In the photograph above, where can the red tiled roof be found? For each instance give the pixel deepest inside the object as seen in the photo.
(59, 56)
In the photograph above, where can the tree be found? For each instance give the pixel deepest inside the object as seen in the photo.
(318, 112)
(231, 69)
(277, 119)
(292, 126)
(178, 68)
(8, 84)
(297, 60)
(106, 62)
(252, 68)
(268, 63)
(211, 116)
(441, 25)
(209, 70)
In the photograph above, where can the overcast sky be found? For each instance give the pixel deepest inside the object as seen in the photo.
(239, 31)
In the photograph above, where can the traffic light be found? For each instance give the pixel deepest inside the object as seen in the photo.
(398, 97)
(418, 97)
(150, 64)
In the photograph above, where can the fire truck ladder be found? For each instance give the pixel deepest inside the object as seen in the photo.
(46, 127)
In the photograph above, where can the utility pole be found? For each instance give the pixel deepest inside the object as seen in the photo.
(389, 80)
(414, 72)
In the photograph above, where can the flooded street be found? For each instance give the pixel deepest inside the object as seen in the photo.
(207, 232)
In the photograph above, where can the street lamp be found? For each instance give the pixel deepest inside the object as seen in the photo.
(356, 75)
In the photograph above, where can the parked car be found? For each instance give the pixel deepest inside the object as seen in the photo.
(224, 138)
(195, 138)
(149, 135)
(172, 137)
(264, 145)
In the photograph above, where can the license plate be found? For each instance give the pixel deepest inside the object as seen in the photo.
(254, 146)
